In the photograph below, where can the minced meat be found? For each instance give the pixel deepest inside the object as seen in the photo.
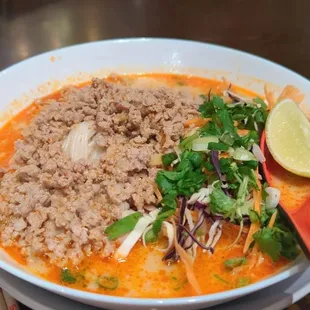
(50, 205)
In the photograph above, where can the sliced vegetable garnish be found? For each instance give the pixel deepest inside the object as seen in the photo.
(132, 238)
(123, 226)
(186, 144)
(178, 283)
(67, 277)
(169, 206)
(188, 263)
(273, 197)
(243, 155)
(254, 216)
(235, 262)
(218, 146)
(243, 281)
(202, 144)
(108, 283)
(213, 176)
(273, 219)
(216, 276)
(168, 232)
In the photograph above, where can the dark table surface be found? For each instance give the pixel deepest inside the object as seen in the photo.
(276, 29)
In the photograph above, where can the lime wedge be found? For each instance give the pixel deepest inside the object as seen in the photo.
(288, 137)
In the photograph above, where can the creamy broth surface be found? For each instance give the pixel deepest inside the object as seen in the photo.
(144, 273)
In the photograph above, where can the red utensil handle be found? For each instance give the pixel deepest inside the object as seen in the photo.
(301, 220)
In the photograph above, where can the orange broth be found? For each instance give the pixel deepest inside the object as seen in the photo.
(144, 274)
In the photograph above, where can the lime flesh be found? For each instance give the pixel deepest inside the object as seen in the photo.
(288, 137)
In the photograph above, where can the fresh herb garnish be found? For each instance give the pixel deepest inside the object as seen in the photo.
(232, 129)
(250, 116)
(186, 178)
(209, 166)
(254, 216)
(168, 207)
(218, 146)
(167, 159)
(210, 129)
(67, 277)
(276, 242)
(264, 193)
(248, 140)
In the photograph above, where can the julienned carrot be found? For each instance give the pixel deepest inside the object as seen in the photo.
(157, 192)
(188, 264)
(273, 219)
(243, 132)
(269, 94)
(291, 92)
(197, 122)
(257, 195)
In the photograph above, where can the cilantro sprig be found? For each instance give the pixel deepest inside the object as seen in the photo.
(276, 242)
(184, 180)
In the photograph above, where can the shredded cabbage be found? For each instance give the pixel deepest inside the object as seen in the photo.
(201, 144)
(168, 231)
(203, 196)
(132, 238)
(243, 154)
(273, 198)
(258, 153)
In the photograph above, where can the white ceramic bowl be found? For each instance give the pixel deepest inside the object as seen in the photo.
(40, 75)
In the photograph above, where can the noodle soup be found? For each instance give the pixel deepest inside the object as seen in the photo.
(142, 186)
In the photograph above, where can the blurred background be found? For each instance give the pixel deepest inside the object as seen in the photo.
(276, 29)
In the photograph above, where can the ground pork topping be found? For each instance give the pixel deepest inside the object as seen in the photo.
(51, 205)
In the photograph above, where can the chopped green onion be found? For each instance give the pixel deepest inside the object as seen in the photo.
(109, 283)
(216, 276)
(218, 146)
(150, 237)
(186, 144)
(243, 281)
(123, 226)
(235, 262)
(67, 276)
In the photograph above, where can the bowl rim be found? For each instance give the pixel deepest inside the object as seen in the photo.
(294, 267)
(154, 39)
